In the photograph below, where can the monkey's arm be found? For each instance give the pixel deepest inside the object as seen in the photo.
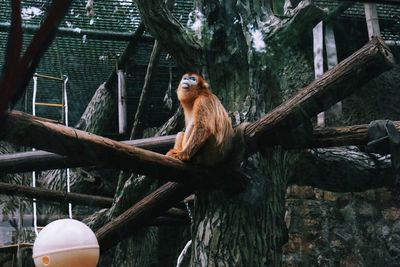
(200, 131)
(174, 152)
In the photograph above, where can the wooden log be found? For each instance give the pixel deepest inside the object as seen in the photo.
(355, 135)
(333, 86)
(52, 195)
(27, 130)
(137, 128)
(40, 160)
(141, 213)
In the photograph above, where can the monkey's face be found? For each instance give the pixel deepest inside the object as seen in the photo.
(188, 81)
(188, 88)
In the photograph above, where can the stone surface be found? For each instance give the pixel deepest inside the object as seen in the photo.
(342, 229)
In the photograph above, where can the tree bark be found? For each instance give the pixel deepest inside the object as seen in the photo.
(342, 170)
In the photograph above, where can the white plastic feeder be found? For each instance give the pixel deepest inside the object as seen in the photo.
(66, 243)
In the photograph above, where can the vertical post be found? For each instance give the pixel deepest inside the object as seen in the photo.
(121, 102)
(35, 227)
(318, 33)
(371, 16)
(332, 60)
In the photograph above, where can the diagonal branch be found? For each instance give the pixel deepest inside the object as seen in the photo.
(137, 128)
(334, 85)
(172, 35)
(13, 84)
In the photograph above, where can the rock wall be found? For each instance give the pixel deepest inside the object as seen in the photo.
(341, 229)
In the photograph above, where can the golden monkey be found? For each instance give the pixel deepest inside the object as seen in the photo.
(208, 128)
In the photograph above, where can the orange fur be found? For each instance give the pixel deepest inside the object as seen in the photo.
(208, 128)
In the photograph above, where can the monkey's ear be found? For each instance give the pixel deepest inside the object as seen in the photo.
(205, 84)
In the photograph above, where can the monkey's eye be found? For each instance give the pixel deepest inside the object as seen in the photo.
(192, 78)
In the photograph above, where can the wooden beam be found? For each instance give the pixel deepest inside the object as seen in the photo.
(27, 130)
(334, 85)
(52, 195)
(42, 160)
(355, 135)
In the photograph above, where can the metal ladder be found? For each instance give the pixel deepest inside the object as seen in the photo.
(64, 119)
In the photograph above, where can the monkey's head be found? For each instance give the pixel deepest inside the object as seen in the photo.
(190, 86)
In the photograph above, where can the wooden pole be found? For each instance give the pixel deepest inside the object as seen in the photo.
(371, 16)
(52, 195)
(40, 160)
(122, 111)
(27, 130)
(137, 127)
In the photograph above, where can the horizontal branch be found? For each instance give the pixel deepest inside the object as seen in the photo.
(42, 160)
(355, 135)
(334, 85)
(78, 33)
(27, 130)
(342, 170)
(52, 195)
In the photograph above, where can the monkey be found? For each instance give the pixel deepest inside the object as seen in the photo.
(208, 132)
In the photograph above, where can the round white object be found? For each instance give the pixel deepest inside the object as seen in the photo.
(66, 243)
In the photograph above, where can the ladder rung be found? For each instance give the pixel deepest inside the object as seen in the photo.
(48, 77)
(49, 104)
